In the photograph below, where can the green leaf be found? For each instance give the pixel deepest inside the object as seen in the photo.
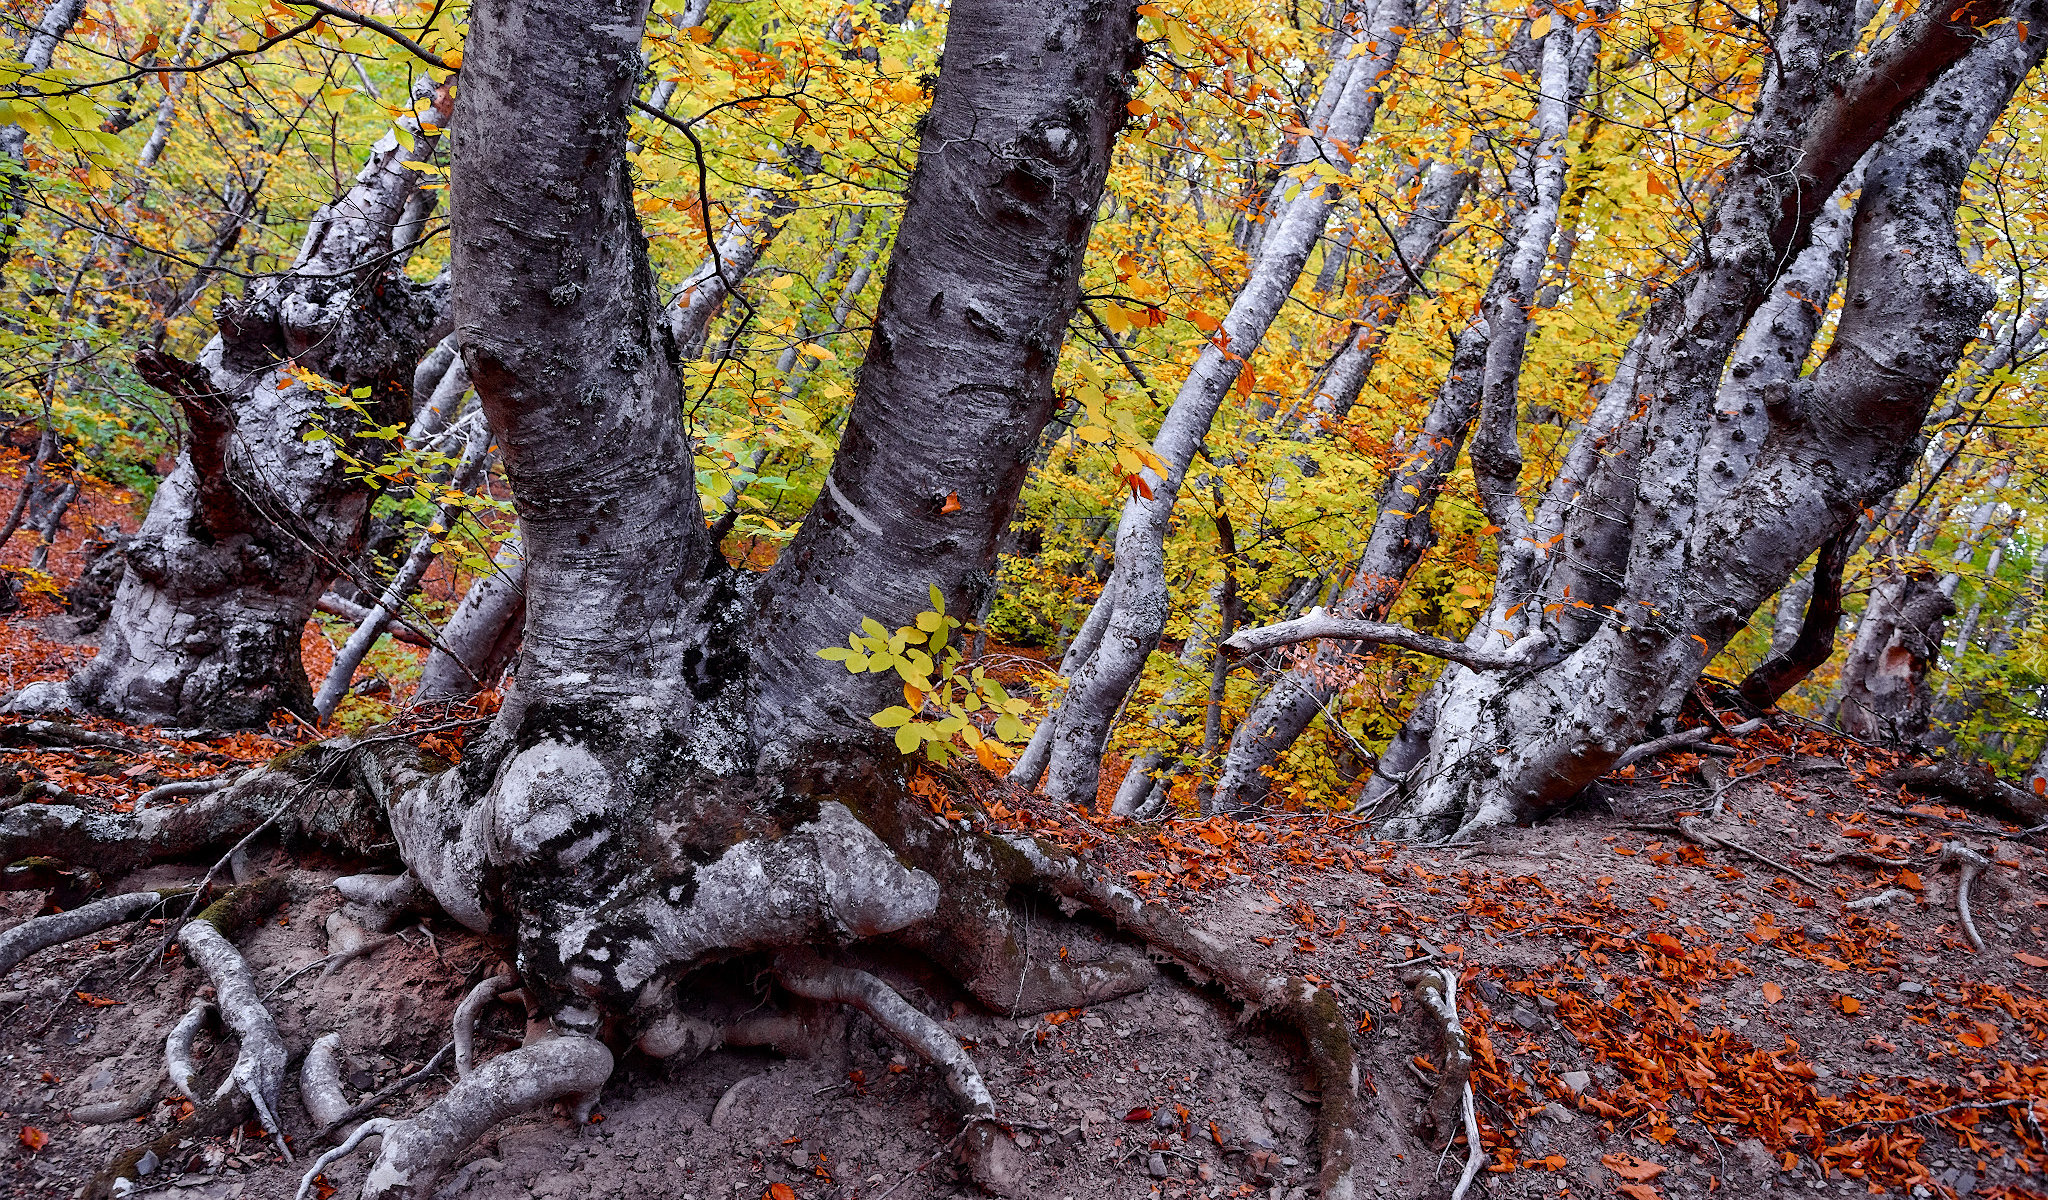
(894, 717)
(873, 628)
(938, 601)
(836, 653)
(1009, 728)
(908, 738)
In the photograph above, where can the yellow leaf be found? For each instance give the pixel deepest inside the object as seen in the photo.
(1093, 433)
(817, 352)
(452, 59)
(1539, 27)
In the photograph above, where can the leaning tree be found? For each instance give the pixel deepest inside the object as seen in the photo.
(1681, 509)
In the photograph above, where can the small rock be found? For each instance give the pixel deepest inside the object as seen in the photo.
(1577, 1081)
(1911, 988)
(1156, 1165)
(1559, 1113)
(1164, 1119)
(1527, 1018)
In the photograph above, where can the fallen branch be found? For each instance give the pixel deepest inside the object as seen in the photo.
(1972, 785)
(1689, 828)
(1674, 741)
(1318, 623)
(1970, 864)
(1843, 857)
(1942, 1112)
(348, 610)
(1867, 903)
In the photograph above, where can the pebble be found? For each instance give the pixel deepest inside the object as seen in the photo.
(1156, 1165)
(1577, 1081)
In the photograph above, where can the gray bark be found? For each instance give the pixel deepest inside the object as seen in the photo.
(247, 532)
(482, 634)
(1136, 593)
(1402, 530)
(645, 663)
(1885, 696)
(1686, 575)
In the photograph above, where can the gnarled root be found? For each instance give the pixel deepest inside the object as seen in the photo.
(178, 1047)
(1970, 864)
(418, 1150)
(385, 900)
(1439, 991)
(259, 1065)
(43, 932)
(465, 1019)
(811, 977)
(1311, 1008)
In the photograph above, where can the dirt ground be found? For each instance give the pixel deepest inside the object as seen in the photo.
(1650, 1018)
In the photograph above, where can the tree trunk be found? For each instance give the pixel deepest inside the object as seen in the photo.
(482, 635)
(1136, 593)
(1885, 696)
(244, 536)
(1640, 612)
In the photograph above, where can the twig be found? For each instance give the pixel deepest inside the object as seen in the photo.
(370, 1102)
(947, 1145)
(1942, 1112)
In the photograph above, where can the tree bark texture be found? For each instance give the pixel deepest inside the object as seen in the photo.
(246, 533)
(1649, 580)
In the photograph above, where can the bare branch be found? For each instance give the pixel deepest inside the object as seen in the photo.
(1318, 623)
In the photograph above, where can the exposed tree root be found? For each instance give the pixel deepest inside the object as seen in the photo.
(1864, 857)
(382, 1095)
(325, 809)
(1438, 989)
(167, 1153)
(320, 1084)
(1311, 1008)
(385, 899)
(374, 1127)
(417, 1151)
(1969, 865)
(178, 1048)
(182, 787)
(43, 932)
(260, 1063)
(465, 1020)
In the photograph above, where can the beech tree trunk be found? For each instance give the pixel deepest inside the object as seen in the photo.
(246, 533)
(1136, 597)
(631, 769)
(1653, 579)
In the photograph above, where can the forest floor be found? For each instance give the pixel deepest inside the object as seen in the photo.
(1650, 1018)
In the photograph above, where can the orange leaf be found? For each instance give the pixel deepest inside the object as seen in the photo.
(1666, 943)
(33, 1138)
(1630, 1167)
(1138, 1114)
(1639, 1191)
(1848, 1004)
(1202, 321)
(1773, 993)
(1215, 1133)
(1911, 879)
(1552, 1162)
(952, 504)
(99, 1001)
(2032, 960)
(779, 1191)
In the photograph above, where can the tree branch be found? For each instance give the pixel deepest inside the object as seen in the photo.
(1318, 623)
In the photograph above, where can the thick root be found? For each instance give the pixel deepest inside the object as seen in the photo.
(1311, 1008)
(814, 979)
(418, 1151)
(386, 900)
(465, 1020)
(178, 1048)
(373, 1127)
(260, 1064)
(43, 932)
(1969, 865)
(320, 1084)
